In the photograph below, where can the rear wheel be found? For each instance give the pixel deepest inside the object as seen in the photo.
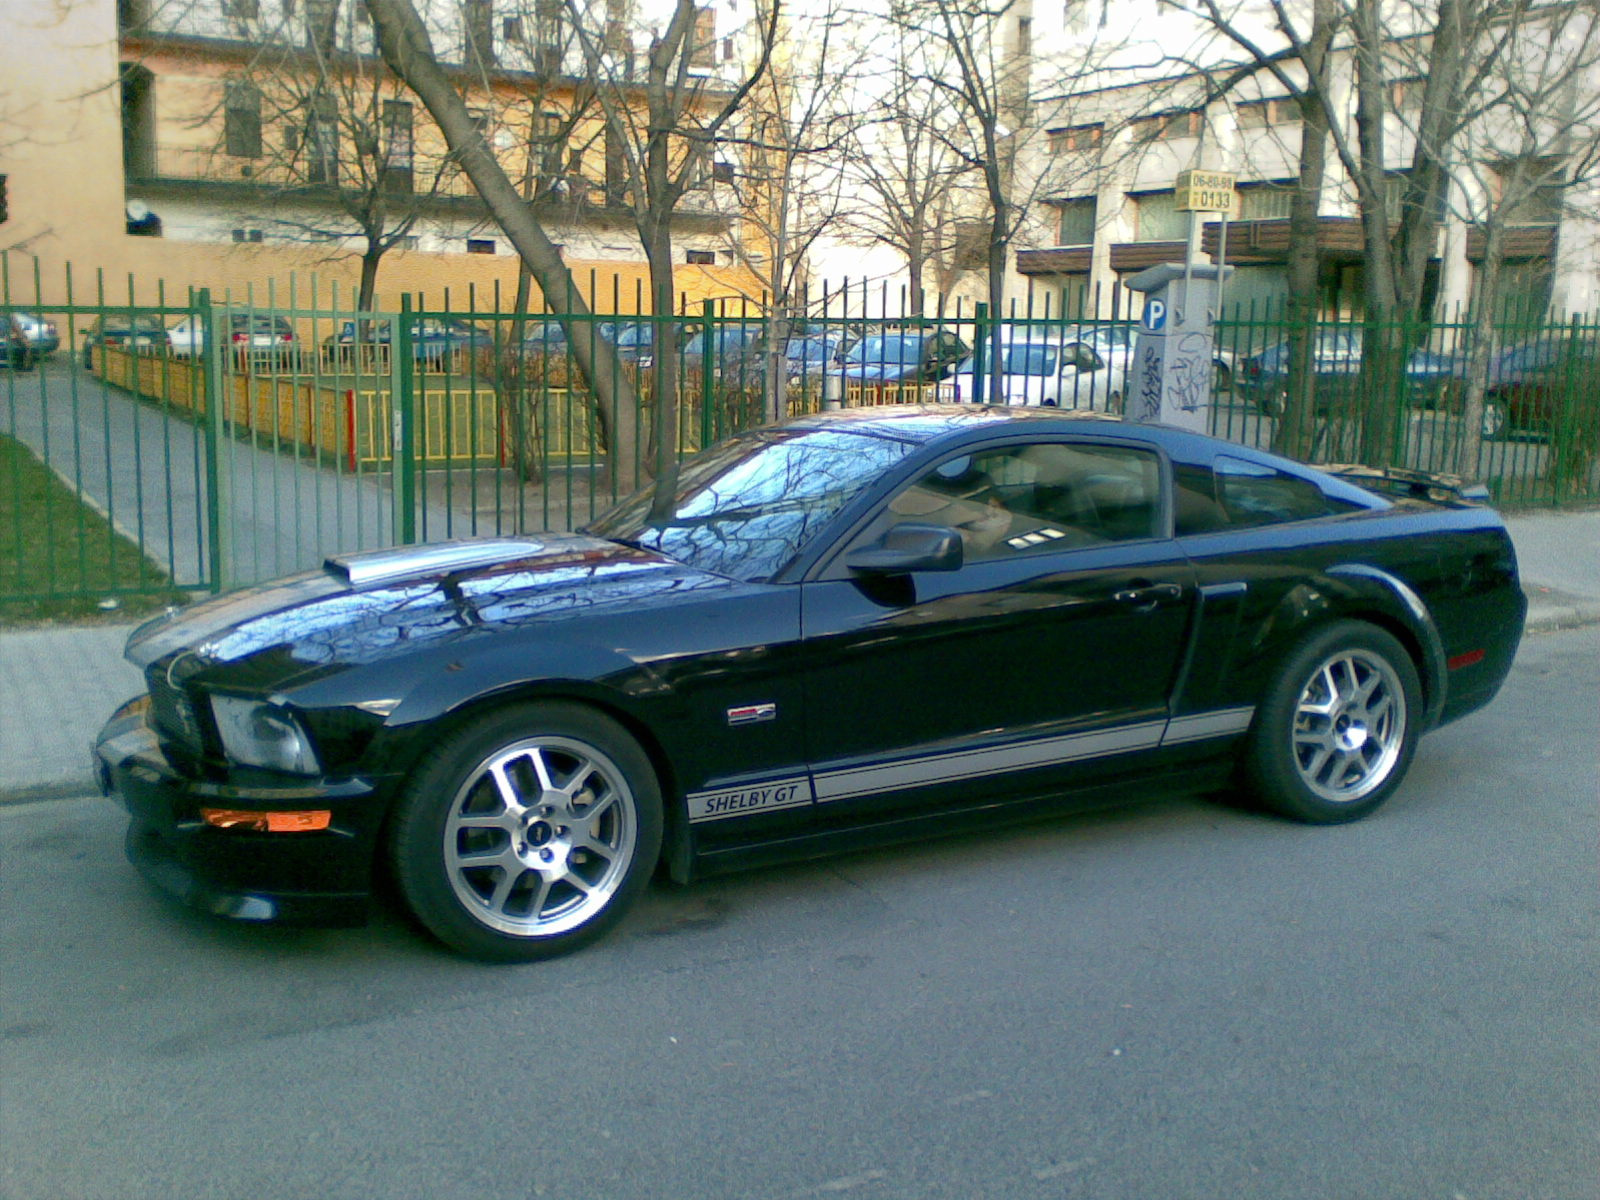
(1495, 424)
(1336, 731)
(528, 833)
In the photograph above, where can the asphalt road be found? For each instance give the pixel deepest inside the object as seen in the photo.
(1176, 1000)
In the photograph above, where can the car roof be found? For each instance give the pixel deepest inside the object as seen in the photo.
(929, 422)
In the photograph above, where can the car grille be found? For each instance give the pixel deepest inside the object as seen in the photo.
(173, 711)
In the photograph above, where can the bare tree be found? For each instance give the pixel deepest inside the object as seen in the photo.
(1424, 72)
(408, 50)
(661, 134)
(913, 190)
(1532, 146)
(785, 175)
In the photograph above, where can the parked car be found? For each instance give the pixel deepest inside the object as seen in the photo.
(1336, 360)
(257, 339)
(436, 343)
(1531, 384)
(1038, 369)
(138, 332)
(40, 333)
(857, 626)
(813, 353)
(879, 360)
(636, 340)
(19, 353)
(1118, 341)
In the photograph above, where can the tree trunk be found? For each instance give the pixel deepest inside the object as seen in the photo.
(404, 43)
(1295, 435)
(370, 258)
(664, 368)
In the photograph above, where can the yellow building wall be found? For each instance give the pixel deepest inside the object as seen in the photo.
(61, 148)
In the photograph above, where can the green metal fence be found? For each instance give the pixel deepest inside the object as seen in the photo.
(153, 449)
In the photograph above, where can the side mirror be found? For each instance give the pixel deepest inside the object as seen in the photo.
(907, 547)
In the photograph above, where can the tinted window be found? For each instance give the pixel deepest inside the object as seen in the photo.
(1038, 496)
(746, 508)
(1252, 494)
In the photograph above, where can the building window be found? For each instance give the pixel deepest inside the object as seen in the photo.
(1075, 137)
(321, 143)
(410, 241)
(322, 27)
(477, 33)
(721, 171)
(1024, 36)
(703, 46)
(480, 246)
(1166, 126)
(1532, 192)
(511, 30)
(1157, 219)
(241, 119)
(1405, 95)
(241, 10)
(399, 159)
(547, 22)
(247, 235)
(1259, 114)
(702, 258)
(1077, 222)
(1266, 201)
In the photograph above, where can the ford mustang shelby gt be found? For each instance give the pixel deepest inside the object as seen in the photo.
(853, 627)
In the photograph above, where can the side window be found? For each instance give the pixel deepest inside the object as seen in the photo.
(1251, 494)
(1018, 499)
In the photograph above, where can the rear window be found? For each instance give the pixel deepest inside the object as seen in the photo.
(1237, 494)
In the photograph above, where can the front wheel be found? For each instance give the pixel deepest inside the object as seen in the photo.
(1335, 732)
(528, 833)
(1494, 424)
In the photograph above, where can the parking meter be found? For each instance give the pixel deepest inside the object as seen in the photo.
(1172, 365)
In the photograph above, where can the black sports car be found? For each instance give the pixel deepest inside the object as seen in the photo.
(858, 626)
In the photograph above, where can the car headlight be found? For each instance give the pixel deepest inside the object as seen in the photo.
(258, 734)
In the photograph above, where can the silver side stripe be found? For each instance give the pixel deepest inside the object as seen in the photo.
(828, 786)
(1218, 723)
(968, 764)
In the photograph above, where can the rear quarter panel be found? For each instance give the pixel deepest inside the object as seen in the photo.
(1457, 561)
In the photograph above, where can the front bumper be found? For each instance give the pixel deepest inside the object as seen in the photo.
(308, 878)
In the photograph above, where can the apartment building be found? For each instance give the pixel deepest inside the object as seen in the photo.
(234, 143)
(1122, 139)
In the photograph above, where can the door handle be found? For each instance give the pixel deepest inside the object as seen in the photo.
(1147, 596)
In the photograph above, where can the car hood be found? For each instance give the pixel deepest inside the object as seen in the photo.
(366, 607)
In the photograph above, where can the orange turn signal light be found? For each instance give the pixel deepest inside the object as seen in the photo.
(308, 821)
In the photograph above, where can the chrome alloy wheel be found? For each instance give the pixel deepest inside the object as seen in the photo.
(540, 836)
(1349, 726)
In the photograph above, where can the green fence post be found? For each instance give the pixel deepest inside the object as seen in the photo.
(403, 402)
(708, 343)
(219, 490)
(980, 350)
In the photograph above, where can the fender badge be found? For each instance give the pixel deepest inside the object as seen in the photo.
(752, 714)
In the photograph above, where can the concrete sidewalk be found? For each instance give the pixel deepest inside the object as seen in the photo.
(59, 683)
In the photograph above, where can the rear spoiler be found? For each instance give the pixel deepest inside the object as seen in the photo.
(1403, 481)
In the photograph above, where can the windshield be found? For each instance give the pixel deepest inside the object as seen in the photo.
(746, 508)
(1020, 360)
(885, 349)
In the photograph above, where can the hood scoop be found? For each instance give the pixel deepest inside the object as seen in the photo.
(419, 562)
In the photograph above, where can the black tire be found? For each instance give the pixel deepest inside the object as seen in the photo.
(1494, 425)
(546, 869)
(1335, 733)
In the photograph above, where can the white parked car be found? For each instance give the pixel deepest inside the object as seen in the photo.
(262, 337)
(1041, 369)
